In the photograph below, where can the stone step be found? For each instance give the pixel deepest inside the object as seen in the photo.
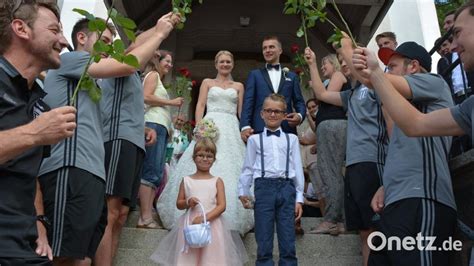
(137, 245)
(307, 222)
(135, 257)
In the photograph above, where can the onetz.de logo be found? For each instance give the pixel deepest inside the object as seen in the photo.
(378, 241)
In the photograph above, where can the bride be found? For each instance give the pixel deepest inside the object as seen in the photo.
(223, 98)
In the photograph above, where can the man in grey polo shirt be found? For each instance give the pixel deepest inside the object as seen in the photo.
(122, 108)
(416, 197)
(367, 141)
(454, 121)
(73, 178)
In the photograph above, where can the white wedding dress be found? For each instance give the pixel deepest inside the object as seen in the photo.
(222, 109)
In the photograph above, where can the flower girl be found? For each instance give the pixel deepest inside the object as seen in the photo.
(202, 187)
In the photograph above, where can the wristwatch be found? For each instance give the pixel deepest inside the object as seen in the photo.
(44, 220)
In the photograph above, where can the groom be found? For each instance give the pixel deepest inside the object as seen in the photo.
(265, 81)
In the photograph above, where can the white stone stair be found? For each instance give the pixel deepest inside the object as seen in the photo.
(136, 246)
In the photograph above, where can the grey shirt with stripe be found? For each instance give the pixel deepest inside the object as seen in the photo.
(122, 106)
(463, 114)
(367, 138)
(85, 149)
(417, 167)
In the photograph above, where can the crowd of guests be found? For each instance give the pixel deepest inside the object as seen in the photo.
(374, 156)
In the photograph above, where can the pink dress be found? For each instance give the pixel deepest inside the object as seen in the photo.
(225, 248)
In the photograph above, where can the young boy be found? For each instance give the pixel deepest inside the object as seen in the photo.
(273, 160)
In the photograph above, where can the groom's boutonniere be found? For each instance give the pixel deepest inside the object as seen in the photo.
(285, 72)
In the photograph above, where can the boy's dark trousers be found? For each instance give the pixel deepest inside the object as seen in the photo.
(275, 203)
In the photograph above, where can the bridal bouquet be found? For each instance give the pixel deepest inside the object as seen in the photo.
(206, 128)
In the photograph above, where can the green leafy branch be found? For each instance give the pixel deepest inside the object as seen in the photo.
(182, 85)
(310, 14)
(182, 7)
(300, 66)
(116, 50)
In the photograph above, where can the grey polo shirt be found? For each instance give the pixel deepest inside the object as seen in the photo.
(417, 167)
(85, 149)
(122, 108)
(463, 114)
(367, 138)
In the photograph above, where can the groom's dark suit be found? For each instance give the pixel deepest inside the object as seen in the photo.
(258, 87)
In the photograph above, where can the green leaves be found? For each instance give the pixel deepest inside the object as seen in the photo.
(83, 12)
(119, 47)
(321, 4)
(182, 7)
(128, 26)
(130, 34)
(131, 60)
(94, 92)
(310, 14)
(115, 50)
(101, 47)
(182, 84)
(300, 32)
(124, 22)
(336, 37)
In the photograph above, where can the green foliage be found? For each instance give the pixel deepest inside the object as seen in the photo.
(312, 11)
(116, 50)
(89, 85)
(182, 84)
(300, 67)
(444, 7)
(336, 37)
(183, 7)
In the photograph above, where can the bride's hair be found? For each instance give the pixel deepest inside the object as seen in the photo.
(224, 52)
(154, 63)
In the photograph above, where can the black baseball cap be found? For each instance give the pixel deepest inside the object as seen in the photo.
(410, 50)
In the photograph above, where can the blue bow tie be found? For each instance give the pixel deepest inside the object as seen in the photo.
(275, 66)
(276, 133)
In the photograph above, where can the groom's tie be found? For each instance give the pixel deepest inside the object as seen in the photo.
(275, 66)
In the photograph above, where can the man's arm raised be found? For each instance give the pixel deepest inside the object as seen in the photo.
(108, 68)
(328, 96)
(405, 115)
(347, 50)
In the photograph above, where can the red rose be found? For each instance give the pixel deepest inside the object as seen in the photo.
(298, 71)
(192, 122)
(184, 71)
(194, 83)
(295, 48)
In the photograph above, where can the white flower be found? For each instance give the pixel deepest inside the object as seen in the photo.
(190, 89)
(285, 71)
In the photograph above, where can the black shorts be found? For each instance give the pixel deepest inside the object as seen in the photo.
(39, 261)
(74, 202)
(123, 165)
(410, 217)
(360, 184)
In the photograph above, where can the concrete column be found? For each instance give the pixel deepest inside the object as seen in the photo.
(411, 20)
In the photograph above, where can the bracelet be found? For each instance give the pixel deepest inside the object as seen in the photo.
(44, 220)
